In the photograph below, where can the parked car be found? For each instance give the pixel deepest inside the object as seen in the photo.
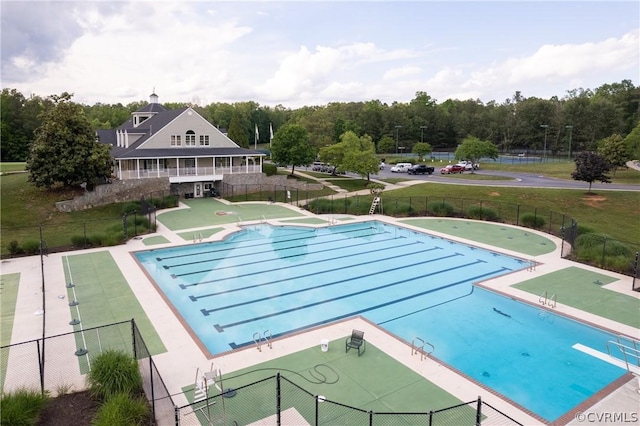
(468, 165)
(382, 166)
(401, 168)
(451, 168)
(317, 166)
(420, 169)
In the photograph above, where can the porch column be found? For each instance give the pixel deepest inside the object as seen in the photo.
(177, 166)
(158, 166)
(138, 167)
(213, 161)
(120, 169)
(231, 165)
(197, 166)
(246, 164)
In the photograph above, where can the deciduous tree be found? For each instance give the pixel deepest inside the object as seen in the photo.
(290, 146)
(591, 167)
(473, 149)
(615, 151)
(421, 149)
(65, 151)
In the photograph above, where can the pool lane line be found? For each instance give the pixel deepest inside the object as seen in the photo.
(269, 242)
(270, 250)
(301, 264)
(301, 290)
(220, 328)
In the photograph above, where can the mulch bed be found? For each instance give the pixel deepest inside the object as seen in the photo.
(77, 408)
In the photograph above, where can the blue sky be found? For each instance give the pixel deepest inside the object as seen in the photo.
(297, 53)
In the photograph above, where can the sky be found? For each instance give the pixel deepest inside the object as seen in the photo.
(306, 53)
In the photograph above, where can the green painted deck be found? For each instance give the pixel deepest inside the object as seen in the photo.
(495, 234)
(373, 381)
(582, 289)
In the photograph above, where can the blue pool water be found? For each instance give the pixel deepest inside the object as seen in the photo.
(286, 279)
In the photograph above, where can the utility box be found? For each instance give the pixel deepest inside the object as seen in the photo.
(324, 345)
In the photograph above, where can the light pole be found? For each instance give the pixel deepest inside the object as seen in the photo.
(544, 151)
(397, 131)
(569, 154)
(422, 133)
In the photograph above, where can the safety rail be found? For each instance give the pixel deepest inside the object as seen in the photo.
(630, 351)
(259, 338)
(546, 300)
(420, 348)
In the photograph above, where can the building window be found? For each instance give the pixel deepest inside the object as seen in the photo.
(204, 140)
(176, 140)
(153, 164)
(190, 138)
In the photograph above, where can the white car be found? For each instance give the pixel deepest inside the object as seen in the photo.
(468, 165)
(401, 168)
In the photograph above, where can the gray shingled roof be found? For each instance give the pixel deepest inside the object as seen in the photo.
(182, 152)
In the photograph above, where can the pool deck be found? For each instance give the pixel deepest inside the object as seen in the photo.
(216, 219)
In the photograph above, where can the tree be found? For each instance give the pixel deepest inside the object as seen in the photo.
(353, 153)
(591, 167)
(386, 145)
(290, 146)
(473, 149)
(632, 141)
(237, 132)
(614, 150)
(421, 149)
(64, 151)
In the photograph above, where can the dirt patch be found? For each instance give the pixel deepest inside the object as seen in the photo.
(594, 201)
(494, 194)
(77, 408)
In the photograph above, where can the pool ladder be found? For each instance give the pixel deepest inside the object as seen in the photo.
(417, 346)
(630, 348)
(547, 300)
(262, 338)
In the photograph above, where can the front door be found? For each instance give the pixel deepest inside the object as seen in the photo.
(197, 190)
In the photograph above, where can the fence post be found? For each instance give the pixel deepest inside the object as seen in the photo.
(479, 412)
(124, 226)
(635, 271)
(370, 418)
(430, 417)
(604, 247)
(518, 215)
(278, 400)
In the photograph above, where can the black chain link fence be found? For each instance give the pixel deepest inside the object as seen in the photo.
(59, 364)
(278, 401)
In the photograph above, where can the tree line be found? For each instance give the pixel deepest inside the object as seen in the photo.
(576, 122)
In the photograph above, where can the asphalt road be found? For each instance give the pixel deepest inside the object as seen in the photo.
(524, 180)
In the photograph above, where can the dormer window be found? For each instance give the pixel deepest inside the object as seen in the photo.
(190, 138)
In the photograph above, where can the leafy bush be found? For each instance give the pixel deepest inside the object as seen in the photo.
(96, 239)
(269, 169)
(441, 209)
(326, 205)
(581, 230)
(31, 247)
(482, 213)
(531, 220)
(22, 407)
(14, 248)
(399, 208)
(123, 410)
(79, 241)
(131, 207)
(375, 187)
(114, 372)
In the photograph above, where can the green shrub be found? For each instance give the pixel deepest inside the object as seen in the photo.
(14, 248)
(269, 169)
(375, 187)
(581, 230)
(169, 201)
(441, 209)
(531, 220)
(79, 241)
(588, 241)
(123, 410)
(131, 207)
(31, 247)
(22, 407)
(96, 240)
(399, 208)
(326, 205)
(113, 372)
(482, 213)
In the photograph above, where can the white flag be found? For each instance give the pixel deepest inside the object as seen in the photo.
(257, 133)
(270, 132)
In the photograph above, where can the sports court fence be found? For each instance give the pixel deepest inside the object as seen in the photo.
(277, 400)
(59, 364)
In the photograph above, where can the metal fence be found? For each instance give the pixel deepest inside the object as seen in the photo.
(59, 364)
(276, 400)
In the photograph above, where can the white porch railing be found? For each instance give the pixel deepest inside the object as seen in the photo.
(187, 171)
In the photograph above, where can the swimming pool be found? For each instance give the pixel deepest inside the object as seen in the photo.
(285, 279)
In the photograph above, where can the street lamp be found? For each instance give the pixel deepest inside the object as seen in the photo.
(544, 151)
(569, 154)
(422, 133)
(397, 131)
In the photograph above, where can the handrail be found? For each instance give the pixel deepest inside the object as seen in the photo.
(268, 339)
(550, 301)
(635, 352)
(543, 298)
(415, 348)
(257, 340)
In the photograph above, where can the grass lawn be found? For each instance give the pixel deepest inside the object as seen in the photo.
(12, 167)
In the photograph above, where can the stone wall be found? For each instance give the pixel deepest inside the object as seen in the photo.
(134, 189)
(117, 192)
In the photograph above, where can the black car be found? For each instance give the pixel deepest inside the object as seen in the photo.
(420, 169)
